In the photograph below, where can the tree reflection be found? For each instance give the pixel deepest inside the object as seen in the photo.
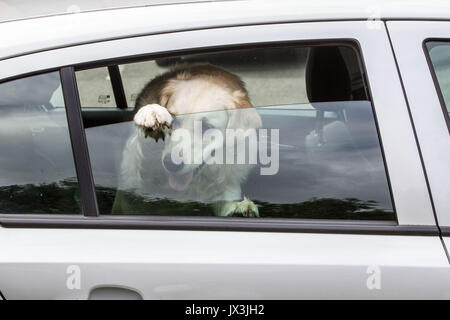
(326, 208)
(63, 198)
(58, 198)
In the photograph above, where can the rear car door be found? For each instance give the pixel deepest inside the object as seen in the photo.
(427, 90)
(348, 214)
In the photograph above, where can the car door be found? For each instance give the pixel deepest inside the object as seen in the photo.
(427, 50)
(332, 244)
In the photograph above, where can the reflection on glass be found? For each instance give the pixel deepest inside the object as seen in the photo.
(271, 76)
(320, 161)
(37, 173)
(94, 86)
(440, 57)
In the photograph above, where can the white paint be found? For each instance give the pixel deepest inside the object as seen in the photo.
(426, 110)
(228, 265)
(24, 36)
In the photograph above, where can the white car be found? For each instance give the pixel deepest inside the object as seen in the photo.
(350, 178)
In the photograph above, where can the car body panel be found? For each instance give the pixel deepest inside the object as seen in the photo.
(31, 35)
(426, 110)
(164, 264)
(221, 265)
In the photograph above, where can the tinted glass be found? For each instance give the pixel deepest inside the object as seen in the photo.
(272, 77)
(99, 95)
(309, 147)
(440, 57)
(37, 173)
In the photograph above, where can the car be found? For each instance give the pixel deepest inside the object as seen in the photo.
(347, 169)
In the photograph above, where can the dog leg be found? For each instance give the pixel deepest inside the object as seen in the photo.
(244, 208)
(154, 120)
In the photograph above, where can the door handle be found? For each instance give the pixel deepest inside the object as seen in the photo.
(113, 293)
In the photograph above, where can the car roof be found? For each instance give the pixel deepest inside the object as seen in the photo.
(11, 10)
(37, 34)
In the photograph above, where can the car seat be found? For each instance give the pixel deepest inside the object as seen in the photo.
(345, 136)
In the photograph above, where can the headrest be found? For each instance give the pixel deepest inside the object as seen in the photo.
(35, 90)
(327, 77)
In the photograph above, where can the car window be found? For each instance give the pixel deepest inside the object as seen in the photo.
(439, 53)
(95, 88)
(37, 172)
(272, 76)
(275, 132)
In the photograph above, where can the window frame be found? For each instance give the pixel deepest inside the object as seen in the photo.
(79, 142)
(76, 141)
(216, 223)
(353, 44)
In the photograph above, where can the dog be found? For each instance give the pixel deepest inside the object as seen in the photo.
(180, 99)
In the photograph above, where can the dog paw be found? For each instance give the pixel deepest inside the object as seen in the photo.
(154, 120)
(244, 208)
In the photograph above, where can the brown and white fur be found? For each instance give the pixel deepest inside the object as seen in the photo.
(191, 91)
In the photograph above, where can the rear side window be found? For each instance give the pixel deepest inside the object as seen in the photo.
(275, 132)
(37, 172)
(100, 96)
(439, 54)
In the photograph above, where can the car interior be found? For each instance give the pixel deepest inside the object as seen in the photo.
(319, 140)
(327, 144)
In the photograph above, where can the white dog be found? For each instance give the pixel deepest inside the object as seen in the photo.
(182, 99)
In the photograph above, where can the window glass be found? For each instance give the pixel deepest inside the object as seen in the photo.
(440, 57)
(136, 75)
(37, 173)
(269, 132)
(272, 77)
(95, 88)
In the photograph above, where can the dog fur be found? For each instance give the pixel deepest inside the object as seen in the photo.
(188, 93)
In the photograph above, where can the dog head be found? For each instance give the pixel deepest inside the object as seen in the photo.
(207, 116)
